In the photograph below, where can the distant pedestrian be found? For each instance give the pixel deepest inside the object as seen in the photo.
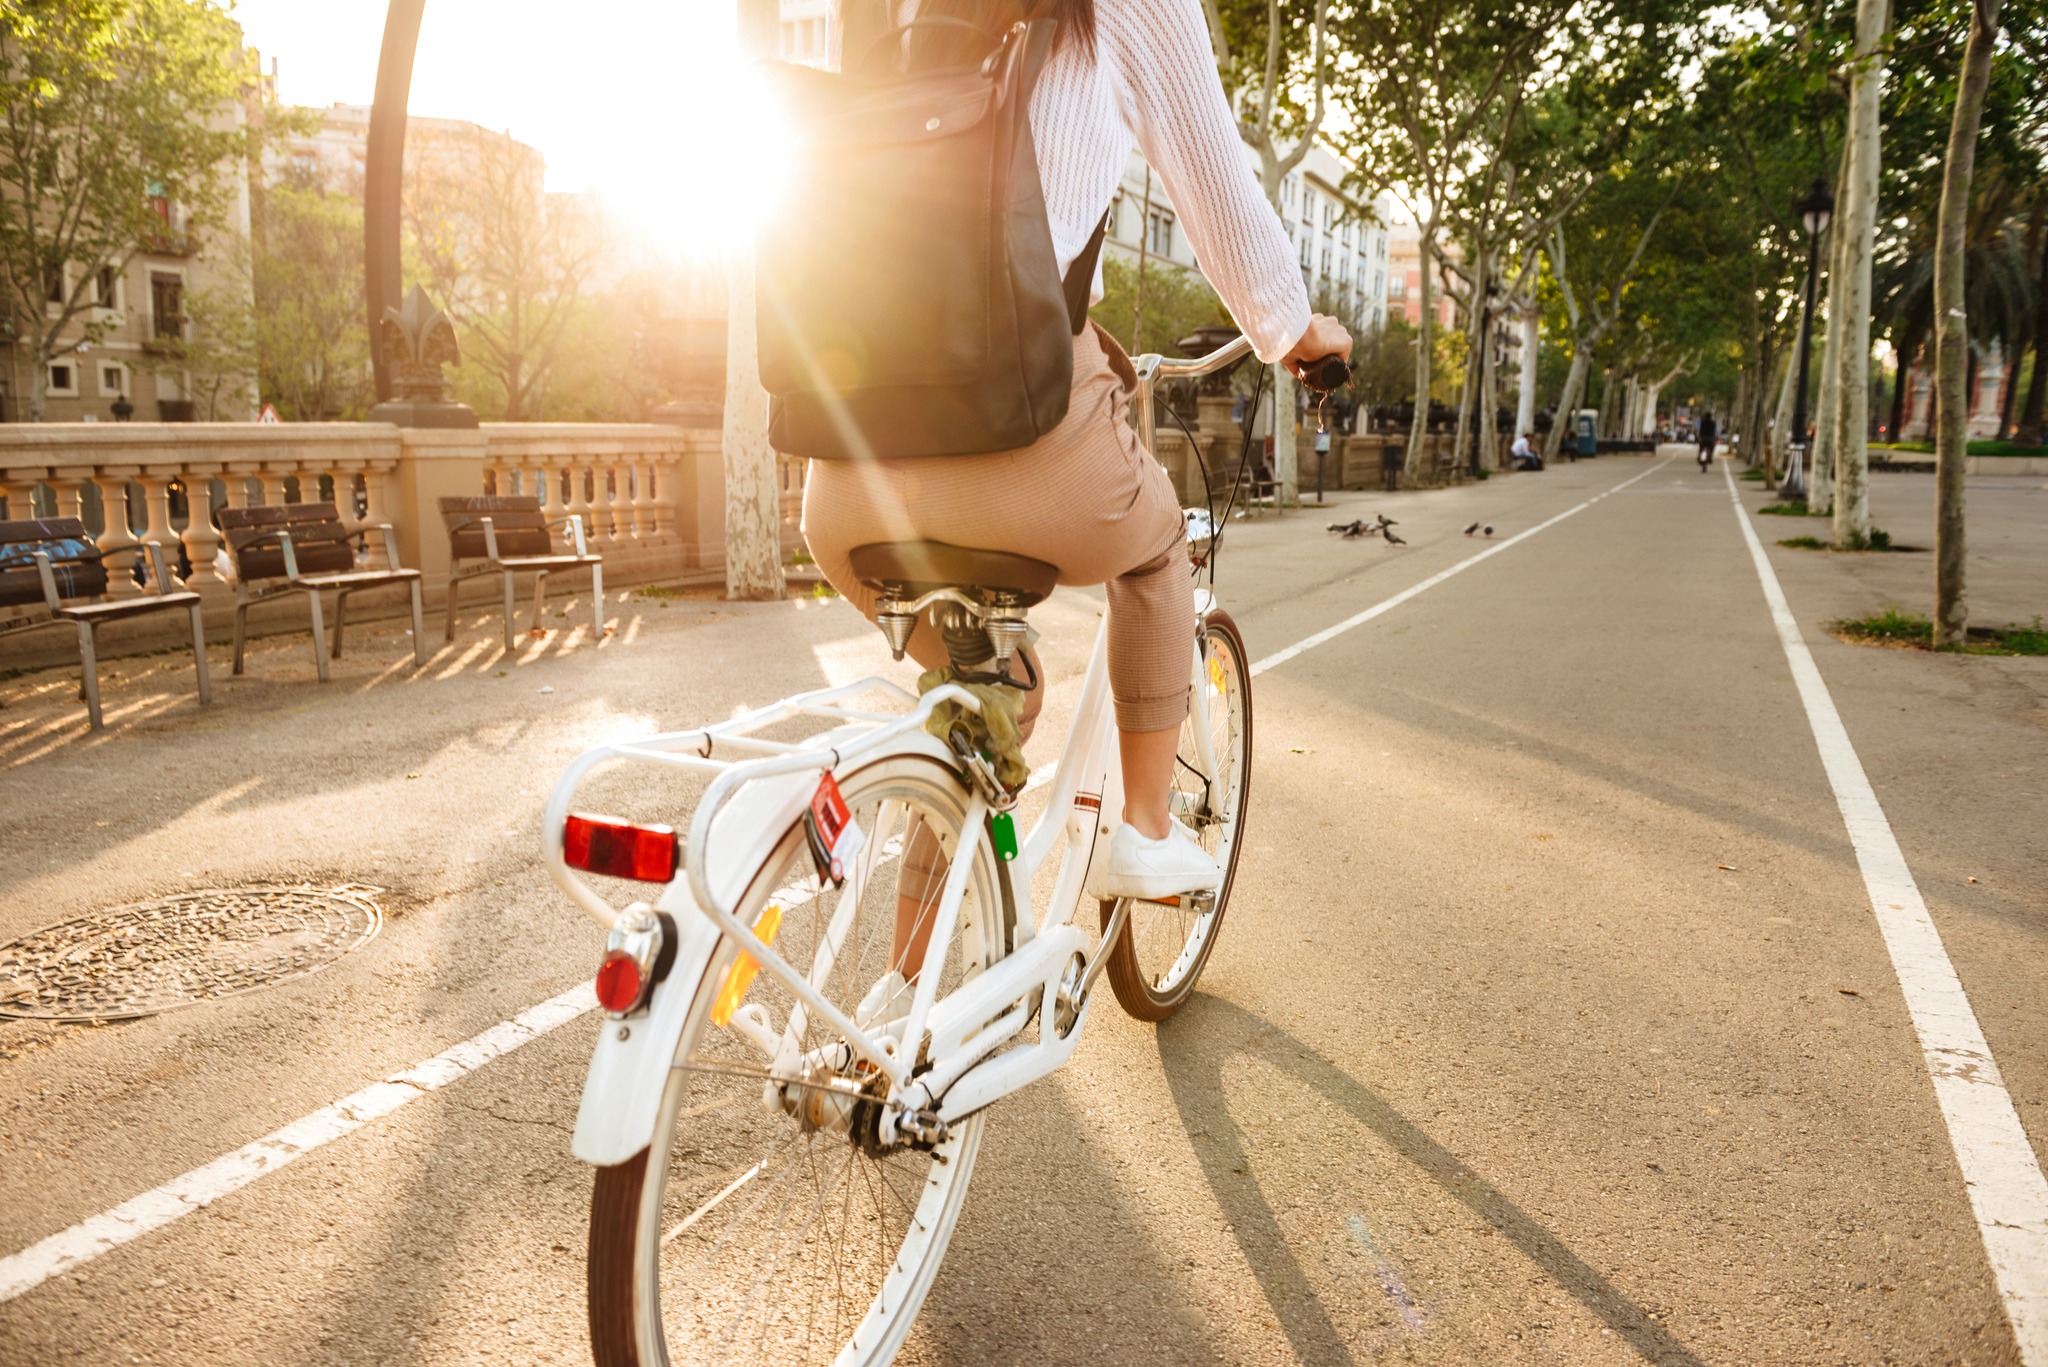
(1708, 433)
(1522, 455)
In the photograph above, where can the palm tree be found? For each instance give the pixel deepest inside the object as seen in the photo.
(2001, 291)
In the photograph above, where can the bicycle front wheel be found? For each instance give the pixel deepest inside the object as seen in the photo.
(771, 1227)
(1153, 965)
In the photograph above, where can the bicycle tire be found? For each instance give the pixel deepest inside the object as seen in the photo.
(634, 1202)
(1155, 962)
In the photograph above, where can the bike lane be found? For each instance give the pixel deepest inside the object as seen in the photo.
(1554, 931)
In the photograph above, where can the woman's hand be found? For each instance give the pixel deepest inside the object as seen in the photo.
(1325, 337)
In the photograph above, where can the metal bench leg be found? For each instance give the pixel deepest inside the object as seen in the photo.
(449, 634)
(241, 622)
(89, 674)
(597, 597)
(419, 624)
(340, 612)
(199, 655)
(512, 607)
(319, 630)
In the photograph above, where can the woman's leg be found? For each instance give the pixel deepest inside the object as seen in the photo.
(1151, 650)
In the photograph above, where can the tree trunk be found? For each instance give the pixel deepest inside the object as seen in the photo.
(1286, 439)
(1781, 416)
(1858, 224)
(1820, 446)
(38, 380)
(1489, 406)
(2010, 357)
(1731, 421)
(753, 514)
(2029, 431)
(1900, 374)
(1574, 384)
(1952, 329)
(1425, 338)
(1525, 397)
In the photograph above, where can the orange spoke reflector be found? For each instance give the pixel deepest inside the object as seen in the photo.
(740, 976)
(1216, 675)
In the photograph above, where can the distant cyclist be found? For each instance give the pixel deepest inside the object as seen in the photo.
(1708, 435)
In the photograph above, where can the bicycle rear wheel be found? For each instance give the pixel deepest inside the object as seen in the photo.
(758, 1232)
(1154, 964)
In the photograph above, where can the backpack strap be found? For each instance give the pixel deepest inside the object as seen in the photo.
(1081, 276)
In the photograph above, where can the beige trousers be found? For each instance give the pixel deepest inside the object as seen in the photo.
(1085, 498)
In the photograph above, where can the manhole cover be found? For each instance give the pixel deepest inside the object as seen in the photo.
(149, 957)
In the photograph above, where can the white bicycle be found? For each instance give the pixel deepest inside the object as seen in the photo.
(780, 1164)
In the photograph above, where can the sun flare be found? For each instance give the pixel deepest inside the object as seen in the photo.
(723, 163)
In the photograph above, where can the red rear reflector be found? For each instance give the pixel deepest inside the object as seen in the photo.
(596, 844)
(618, 983)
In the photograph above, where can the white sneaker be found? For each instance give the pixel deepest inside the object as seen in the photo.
(887, 1002)
(1152, 869)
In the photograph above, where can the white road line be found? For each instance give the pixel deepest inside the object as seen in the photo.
(2006, 1188)
(66, 1249)
(1281, 657)
(153, 1210)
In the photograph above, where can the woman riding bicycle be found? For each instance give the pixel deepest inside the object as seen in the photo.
(1086, 498)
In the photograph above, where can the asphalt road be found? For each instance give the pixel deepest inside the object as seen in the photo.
(1550, 1022)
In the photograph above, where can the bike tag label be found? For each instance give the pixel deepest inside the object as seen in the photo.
(838, 836)
(1005, 832)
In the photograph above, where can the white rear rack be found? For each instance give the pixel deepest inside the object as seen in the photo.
(696, 750)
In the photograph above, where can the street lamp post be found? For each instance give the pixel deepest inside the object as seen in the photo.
(1814, 212)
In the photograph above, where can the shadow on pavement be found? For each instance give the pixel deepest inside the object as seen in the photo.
(1195, 1045)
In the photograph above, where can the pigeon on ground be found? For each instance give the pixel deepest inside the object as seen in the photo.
(1471, 529)
(1489, 530)
(1351, 531)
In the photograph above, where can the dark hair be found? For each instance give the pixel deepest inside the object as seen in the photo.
(1076, 18)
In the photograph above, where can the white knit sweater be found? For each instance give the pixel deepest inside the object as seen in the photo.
(1153, 77)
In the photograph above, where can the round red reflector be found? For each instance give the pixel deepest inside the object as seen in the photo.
(618, 983)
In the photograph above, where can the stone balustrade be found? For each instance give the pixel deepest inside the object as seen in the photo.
(651, 496)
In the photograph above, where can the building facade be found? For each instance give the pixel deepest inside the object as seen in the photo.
(1404, 288)
(140, 309)
(1341, 245)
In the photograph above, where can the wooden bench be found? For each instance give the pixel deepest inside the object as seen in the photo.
(306, 546)
(43, 563)
(509, 535)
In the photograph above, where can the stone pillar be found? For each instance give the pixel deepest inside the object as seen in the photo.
(699, 501)
(433, 462)
(119, 546)
(202, 539)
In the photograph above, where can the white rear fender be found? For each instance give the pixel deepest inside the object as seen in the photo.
(622, 1095)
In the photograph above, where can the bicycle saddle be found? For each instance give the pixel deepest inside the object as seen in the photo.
(920, 566)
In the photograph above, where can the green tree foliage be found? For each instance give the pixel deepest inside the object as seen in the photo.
(117, 126)
(1177, 301)
(310, 325)
(506, 260)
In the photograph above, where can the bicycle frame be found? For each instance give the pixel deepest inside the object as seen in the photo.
(753, 800)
